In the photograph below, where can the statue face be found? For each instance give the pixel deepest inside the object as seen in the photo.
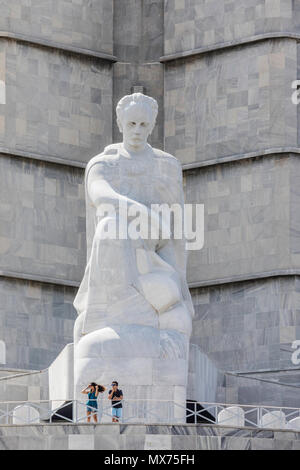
(136, 126)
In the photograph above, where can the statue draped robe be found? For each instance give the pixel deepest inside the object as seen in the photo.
(133, 298)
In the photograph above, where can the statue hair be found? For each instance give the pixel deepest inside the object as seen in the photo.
(137, 98)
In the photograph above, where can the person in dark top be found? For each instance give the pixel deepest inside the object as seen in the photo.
(116, 397)
(92, 391)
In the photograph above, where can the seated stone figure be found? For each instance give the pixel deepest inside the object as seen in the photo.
(134, 307)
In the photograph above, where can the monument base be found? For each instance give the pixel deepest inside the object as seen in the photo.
(140, 437)
(150, 366)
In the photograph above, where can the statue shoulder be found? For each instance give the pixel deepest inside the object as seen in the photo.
(162, 154)
(174, 167)
(112, 149)
(108, 156)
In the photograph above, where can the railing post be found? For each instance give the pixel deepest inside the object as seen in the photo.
(259, 416)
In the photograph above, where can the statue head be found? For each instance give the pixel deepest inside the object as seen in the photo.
(136, 116)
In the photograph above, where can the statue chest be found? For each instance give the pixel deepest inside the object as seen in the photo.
(145, 184)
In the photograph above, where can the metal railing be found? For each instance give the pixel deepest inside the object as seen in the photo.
(151, 411)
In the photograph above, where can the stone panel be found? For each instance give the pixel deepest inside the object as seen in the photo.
(248, 326)
(190, 24)
(16, 385)
(294, 211)
(138, 30)
(269, 388)
(77, 23)
(42, 219)
(185, 437)
(249, 219)
(231, 102)
(36, 321)
(57, 104)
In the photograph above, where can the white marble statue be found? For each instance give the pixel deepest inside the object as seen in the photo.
(134, 307)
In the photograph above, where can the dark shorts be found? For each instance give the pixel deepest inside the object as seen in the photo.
(92, 407)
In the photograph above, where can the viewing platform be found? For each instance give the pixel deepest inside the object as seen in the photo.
(188, 437)
(207, 426)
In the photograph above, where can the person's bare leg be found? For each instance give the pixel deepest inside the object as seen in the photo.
(95, 418)
(88, 416)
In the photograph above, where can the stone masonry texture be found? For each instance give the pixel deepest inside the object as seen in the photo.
(191, 24)
(57, 103)
(231, 102)
(228, 103)
(140, 437)
(79, 23)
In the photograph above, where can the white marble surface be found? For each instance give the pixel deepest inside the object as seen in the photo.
(2, 92)
(25, 414)
(294, 423)
(81, 442)
(2, 352)
(158, 442)
(134, 307)
(61, 377)
(232, 416)
(273, 420)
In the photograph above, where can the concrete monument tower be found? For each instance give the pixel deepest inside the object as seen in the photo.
(134, 306)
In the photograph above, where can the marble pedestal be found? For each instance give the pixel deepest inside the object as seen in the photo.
(149, 364)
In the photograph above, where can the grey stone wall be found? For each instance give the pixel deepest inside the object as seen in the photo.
(191, 24)
(42, 219)
(36, 322)
(82, 24)
(205, 380)
(138, 30)
(294, 241)
(231, 102)
(269, 388)
(19, 386)
(57, 103)
(223, 104)
(250, 217)
(250, 325)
